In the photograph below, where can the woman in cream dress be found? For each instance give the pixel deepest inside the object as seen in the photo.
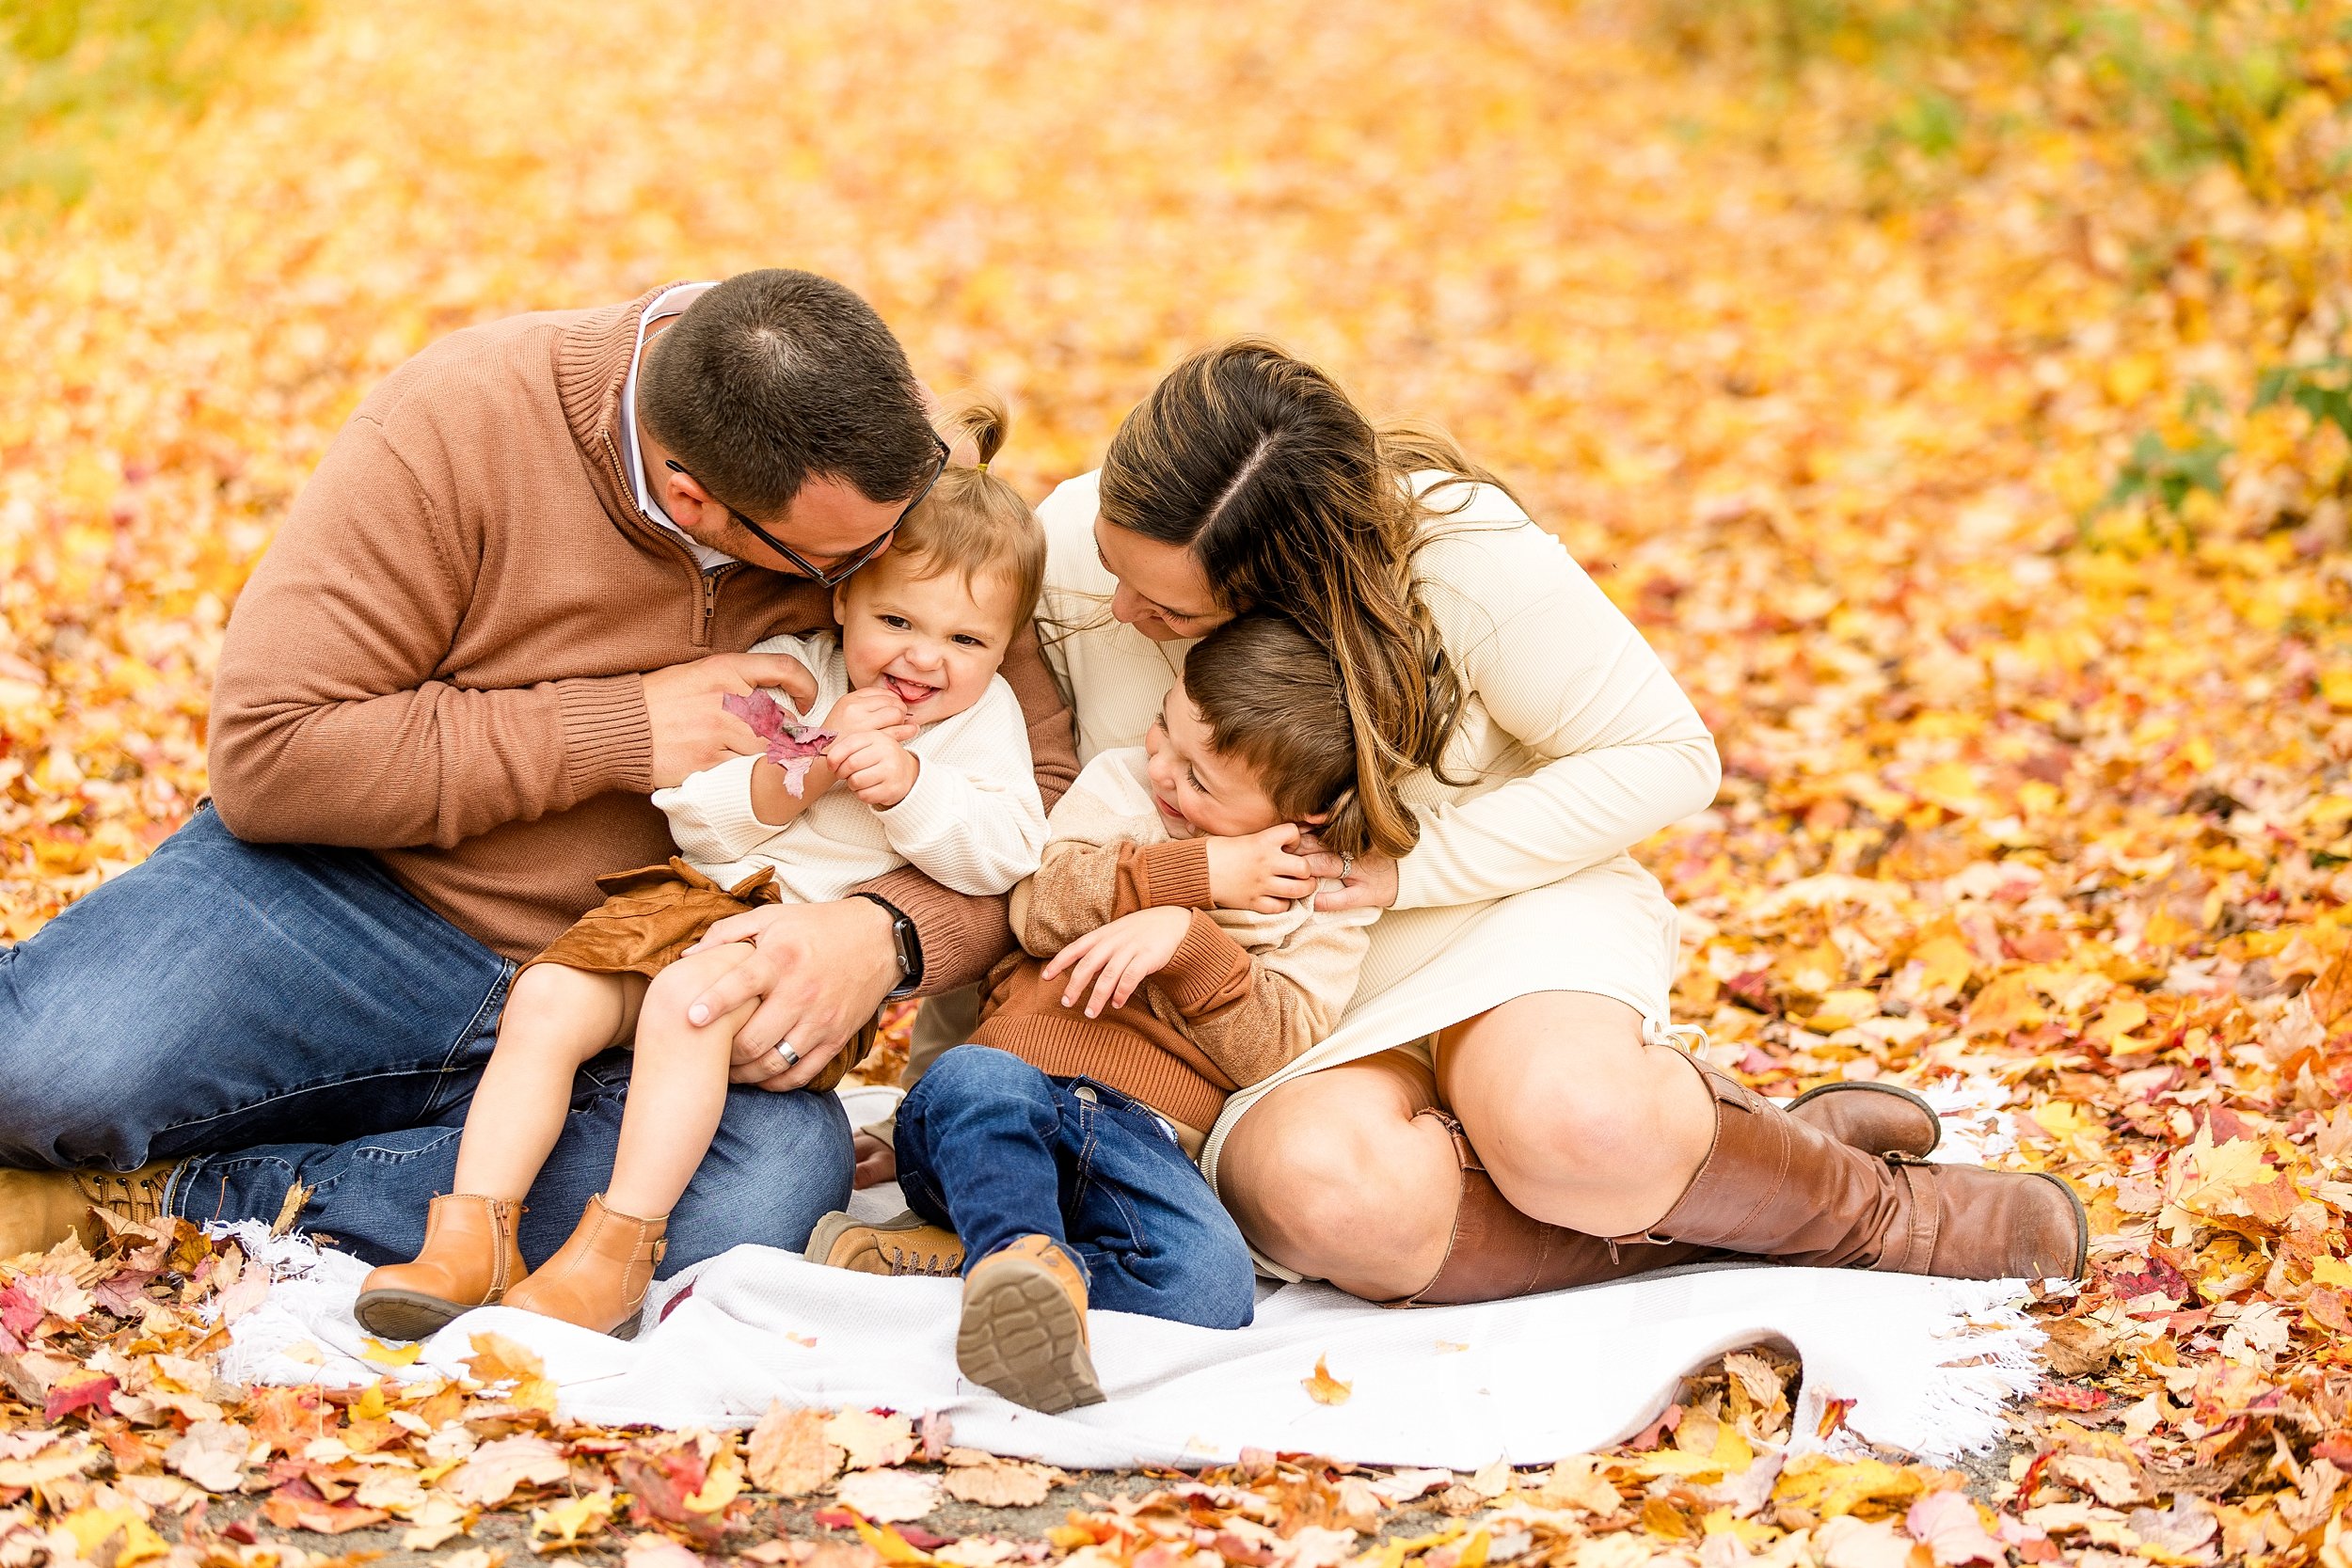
(1505, 1106)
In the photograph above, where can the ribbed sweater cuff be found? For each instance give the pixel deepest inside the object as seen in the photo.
(1176, 874)
(962, 934)
(607, 735)
(1206, 964)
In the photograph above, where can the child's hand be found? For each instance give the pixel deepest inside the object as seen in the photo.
(1261, 871)
(871, 709)
(1117, 958)
(877, 768)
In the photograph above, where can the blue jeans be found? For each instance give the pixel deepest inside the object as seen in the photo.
(268, 1014)
(996, 1150)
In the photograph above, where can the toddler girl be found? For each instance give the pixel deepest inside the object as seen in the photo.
(926, 761)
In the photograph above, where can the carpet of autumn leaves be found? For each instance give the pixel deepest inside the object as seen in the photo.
(1956, 395)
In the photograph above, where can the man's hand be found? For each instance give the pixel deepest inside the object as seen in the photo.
(1117, 958)
(818, 971)
(877, 768)
(1261, 872)
(691, 731)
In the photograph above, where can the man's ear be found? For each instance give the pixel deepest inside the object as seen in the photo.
(683, 499)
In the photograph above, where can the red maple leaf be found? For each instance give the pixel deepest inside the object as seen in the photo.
(791, 745)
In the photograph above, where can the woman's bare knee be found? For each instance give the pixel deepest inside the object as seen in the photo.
(1336, 1176)
(1578, 1121)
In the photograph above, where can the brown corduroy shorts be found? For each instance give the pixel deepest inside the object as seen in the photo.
(652, 916)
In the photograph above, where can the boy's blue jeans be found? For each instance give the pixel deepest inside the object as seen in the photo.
(993, 1149)
(270, 1014)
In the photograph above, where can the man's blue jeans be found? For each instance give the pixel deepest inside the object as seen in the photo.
(270, 1014)
(996, 1150)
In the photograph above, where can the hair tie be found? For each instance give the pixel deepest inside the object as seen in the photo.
(983, 467)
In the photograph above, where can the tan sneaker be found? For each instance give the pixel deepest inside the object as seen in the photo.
(1023, 1332)
(41, 1207)
(904, 1245)
(469, 1261)
(598, 1278)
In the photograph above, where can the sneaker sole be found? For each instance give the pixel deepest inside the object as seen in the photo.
(404, 1314)
(1022, 1337)
(1865, 1086)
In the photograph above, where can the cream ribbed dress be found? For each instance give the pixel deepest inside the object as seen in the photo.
(1575, 744)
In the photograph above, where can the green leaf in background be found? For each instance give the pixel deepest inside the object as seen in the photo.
(74, 74)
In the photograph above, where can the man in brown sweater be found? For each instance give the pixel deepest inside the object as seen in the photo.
(502, 613)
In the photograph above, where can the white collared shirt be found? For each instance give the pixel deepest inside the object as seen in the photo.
(670, 302)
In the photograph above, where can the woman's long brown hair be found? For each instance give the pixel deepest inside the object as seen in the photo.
(1290, 499)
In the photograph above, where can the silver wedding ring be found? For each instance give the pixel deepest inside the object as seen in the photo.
(791, 1058)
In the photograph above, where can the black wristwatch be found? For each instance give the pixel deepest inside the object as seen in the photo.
(910, 948)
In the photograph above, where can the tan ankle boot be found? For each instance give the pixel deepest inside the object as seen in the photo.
(469, 1261)
(41, 1207)
(598, 1278)
(1775, 1186)
(1023, 1332)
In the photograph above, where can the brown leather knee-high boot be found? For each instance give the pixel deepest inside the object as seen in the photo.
(1497, 1252)
(1775, 1186)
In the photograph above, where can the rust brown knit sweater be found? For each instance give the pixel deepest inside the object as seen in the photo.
(440, 657)
(1245, 994)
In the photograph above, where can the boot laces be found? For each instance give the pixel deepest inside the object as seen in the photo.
(134, 1195)
(929, 1265)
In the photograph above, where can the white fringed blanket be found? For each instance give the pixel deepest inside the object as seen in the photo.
(1929, 1364)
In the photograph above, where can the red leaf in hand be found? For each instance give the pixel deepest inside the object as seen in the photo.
(791, 746)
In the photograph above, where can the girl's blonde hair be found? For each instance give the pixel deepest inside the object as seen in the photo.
(1291, 501)
(973, 522)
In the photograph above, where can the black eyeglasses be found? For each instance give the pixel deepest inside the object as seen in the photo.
(840, 570)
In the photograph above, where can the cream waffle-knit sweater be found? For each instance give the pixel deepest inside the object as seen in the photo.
(972, 820)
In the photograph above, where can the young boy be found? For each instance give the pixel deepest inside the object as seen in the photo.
(1059, 1144)
(927, 762)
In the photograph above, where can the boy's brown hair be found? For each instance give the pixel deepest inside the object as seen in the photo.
(973, 522)
(1274, 699)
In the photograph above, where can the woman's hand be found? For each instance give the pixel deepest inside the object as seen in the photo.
(1264, 871)
(1366, 881)
(1117, 958)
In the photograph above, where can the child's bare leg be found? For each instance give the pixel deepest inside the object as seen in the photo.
(679, 1089)
(555, 1020)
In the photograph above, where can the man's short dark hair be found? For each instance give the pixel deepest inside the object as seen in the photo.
(775, 377)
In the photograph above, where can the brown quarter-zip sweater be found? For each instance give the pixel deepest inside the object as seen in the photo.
(440, 656)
